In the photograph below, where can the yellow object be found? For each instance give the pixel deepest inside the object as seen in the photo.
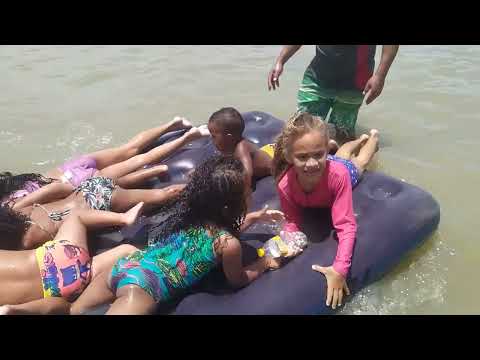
(269, 149)
(40, 254)
(281, 245)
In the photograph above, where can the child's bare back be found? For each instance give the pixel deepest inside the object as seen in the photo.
(260, 160)
(226, 127)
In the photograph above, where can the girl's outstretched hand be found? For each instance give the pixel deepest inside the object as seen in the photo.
(336, 285)
(267, 215)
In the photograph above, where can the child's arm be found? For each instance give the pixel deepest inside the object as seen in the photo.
(47, 306)
(242, 153)
(237, 274)
(261, 215)
(293, 212)
(46, 194)
(344, 222)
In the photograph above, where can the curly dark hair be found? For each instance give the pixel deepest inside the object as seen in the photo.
(10, 183)
(214, 195)
(13, 226)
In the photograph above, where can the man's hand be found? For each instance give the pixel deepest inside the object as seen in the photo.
(373, 88)
(274, 75)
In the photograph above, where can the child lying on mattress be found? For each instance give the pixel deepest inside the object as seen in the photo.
(226, 128)
(45, 280)
(308, 177)
(123, 163)
(200, 231)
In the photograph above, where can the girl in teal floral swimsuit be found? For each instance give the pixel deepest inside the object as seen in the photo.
(200, 231)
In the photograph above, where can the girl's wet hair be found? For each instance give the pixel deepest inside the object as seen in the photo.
(10, 183)
(214, 196)
(229, 119)
(300, 123)
(13, 226)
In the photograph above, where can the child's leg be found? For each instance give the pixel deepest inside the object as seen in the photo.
(123, 199)
(139, 142)
(347, 150)
(47, 306)
(366, 152)
(132, 300)
(95, 294)
(153, 156)
(104, 261)
(139, 177)
(74, 228)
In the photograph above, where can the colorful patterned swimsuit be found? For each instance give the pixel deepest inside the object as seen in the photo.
(166, 268)
(97, 192)
(65, 269)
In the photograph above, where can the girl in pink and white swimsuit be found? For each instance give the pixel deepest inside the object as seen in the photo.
(124, 164)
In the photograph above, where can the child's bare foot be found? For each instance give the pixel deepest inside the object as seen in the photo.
(363, 138)
(204, 130)
(132, 214)
(197, 132)
(6, 310)
(160, 169)
(374, 134)
(179, 123)
(332, 146)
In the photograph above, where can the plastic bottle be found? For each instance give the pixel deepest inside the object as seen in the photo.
(294, 239)
(274, 247)
(280, 245)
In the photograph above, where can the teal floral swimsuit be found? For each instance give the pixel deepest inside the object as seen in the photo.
(165, 268)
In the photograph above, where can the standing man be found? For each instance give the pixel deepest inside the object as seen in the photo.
(338, 78)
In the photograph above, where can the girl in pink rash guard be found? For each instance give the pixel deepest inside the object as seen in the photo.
(308, 177)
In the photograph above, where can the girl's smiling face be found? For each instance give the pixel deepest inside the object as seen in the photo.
(308, 156)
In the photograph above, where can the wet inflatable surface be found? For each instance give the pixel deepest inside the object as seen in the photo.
(393, 218)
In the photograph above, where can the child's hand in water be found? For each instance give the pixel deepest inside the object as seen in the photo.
(336, 285)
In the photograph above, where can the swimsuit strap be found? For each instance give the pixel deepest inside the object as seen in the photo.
(221, 233)
(54, 215)
(41, 228)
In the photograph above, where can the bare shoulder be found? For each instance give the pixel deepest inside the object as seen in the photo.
(225, 243)
(244, 147)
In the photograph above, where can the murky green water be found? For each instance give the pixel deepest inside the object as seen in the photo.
(58, 101)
